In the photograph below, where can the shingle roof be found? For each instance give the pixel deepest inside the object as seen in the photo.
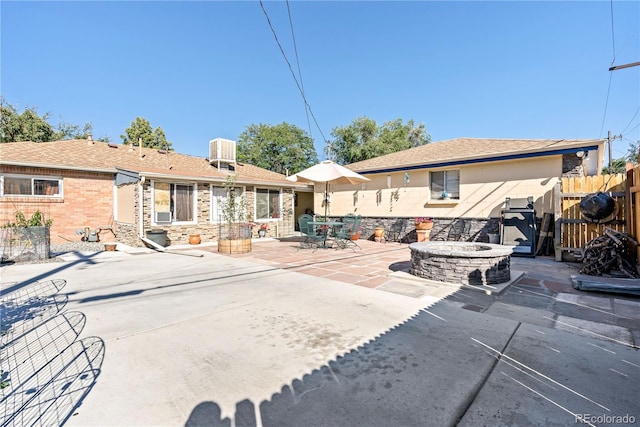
(107, 157)
(461, 149)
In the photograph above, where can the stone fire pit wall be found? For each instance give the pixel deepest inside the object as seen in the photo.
(468, 263)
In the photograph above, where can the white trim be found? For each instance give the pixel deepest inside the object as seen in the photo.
(255, 204)
(59, 179)
(152, 210)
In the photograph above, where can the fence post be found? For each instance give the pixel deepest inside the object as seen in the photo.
(557, 213)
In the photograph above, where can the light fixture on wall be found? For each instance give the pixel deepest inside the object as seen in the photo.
(580, 154)
(407, 178)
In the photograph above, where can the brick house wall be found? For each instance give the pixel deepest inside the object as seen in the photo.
(87, 202)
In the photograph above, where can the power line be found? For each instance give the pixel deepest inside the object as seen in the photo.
(606, 104)
(295, 49)
(631, 121)
(613, 35)
(273, 31)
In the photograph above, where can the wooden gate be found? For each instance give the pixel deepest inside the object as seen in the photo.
(572, 230)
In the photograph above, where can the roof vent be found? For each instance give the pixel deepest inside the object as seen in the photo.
(222, 151)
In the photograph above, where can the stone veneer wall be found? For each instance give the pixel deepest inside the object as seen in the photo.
(179, 234)
(478, 228)
(468, 271)
(571, 165)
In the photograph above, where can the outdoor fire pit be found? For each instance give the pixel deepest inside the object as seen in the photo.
(468, 263)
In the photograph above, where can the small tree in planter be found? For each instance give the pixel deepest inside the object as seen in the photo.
(235, 235)
(26, 239)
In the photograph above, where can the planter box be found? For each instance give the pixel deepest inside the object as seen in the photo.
(235, 246)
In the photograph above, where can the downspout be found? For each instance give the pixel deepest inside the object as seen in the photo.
(140, 207)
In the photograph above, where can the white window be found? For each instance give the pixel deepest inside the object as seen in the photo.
(268, 203)
(15, 185)
(219, 197)
(178, 199)
(445, 184)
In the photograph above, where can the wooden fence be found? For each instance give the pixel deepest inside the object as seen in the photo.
(572, 230)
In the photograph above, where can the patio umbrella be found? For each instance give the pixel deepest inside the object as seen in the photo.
(330, 173)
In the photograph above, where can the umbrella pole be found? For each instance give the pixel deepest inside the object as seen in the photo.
(326, 199)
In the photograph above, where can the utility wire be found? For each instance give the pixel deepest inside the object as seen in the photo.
(613, 35)
(291, 70)
(613, 42)
(606, 104)
(631, 121)
(634, 128)
(295, 49)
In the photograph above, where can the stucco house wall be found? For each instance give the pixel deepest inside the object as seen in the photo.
(483, 189)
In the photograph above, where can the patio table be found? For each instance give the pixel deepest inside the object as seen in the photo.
(330, 224)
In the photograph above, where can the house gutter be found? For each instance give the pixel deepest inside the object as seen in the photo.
(201, 178)
(476, 160)
(51, 166)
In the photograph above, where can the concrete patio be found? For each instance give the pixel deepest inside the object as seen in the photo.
(283, 337)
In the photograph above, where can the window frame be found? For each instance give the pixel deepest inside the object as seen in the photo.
(437, 195)
(32, 179)
(255, 205)
(215, 216)
(172, 188)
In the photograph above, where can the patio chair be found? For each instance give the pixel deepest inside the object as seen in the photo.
(397, 230)
(459, 230)
(311, 238)
(350, 228)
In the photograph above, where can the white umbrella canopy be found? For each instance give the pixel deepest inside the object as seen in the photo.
(330, 173)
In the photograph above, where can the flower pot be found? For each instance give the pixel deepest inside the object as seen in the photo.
(110, 247)
(262, 233)
(355, 236)
(378, 234)
(424, 225)
(194, 239)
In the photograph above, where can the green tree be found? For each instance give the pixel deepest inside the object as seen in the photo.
(281, 148)
(71, 131)
(141, 129)
(363, 139)
(25, 126)
(617, 166)
(30, 126)
(633, 155)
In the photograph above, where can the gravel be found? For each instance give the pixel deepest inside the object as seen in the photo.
(56, 250)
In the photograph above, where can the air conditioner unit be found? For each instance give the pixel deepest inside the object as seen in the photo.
(222, 150)
(163, 217)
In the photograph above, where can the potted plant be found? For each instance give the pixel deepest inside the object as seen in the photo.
(424, 223)
(353, 231)
(235, 235)
(262, 231)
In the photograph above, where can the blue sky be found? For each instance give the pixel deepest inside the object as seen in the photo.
(202, 70)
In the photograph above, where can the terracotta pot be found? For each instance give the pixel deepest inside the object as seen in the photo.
(355, 236)
(110, 247)
(194, 239)
(424, 225)
(379, 232)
